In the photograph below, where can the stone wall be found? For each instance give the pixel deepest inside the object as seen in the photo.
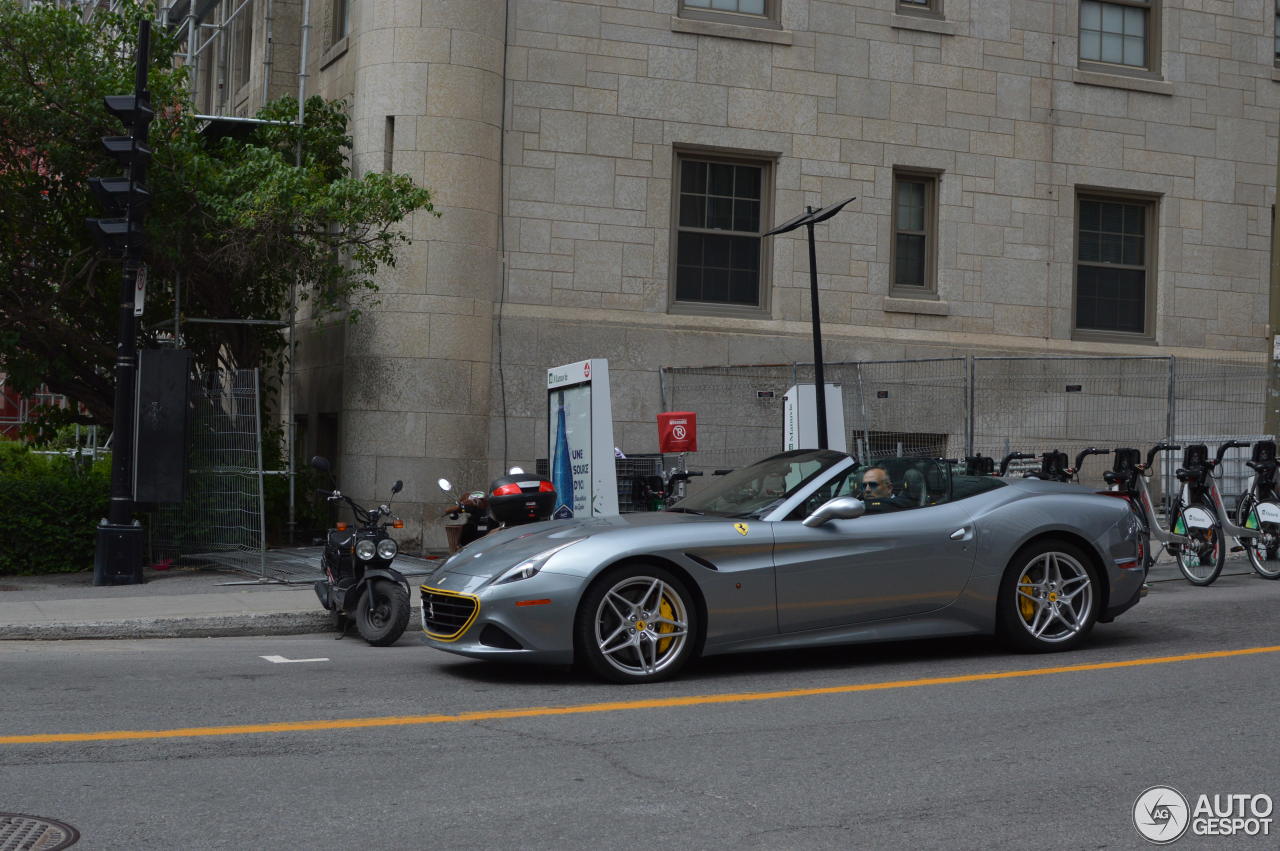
(565, 170)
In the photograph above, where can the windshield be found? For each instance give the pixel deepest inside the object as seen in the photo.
(753, 491)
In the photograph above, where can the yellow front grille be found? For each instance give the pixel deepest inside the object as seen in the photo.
(446, 615)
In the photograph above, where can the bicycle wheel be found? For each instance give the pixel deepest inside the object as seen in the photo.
(1200, 561)
(1263, 551)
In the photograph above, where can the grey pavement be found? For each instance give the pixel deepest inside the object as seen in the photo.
(192, 603)
(175, 603)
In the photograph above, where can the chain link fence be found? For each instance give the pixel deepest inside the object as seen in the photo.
(739, 410)
(989, 405)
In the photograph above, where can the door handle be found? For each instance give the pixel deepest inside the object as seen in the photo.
(962, 534)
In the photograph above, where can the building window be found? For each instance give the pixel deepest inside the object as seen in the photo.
(1276, 19)
(903, 444)
(720, 211)
(757, 13)
(341, 20)
(915, 226)
(1114, 264)
(932, 8)
(241, 46)
(1119, 34)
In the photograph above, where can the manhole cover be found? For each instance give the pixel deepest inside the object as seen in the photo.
(32, 833)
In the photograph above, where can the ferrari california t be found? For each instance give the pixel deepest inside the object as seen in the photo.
(801, 549)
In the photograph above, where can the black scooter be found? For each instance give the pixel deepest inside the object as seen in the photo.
(360, 582)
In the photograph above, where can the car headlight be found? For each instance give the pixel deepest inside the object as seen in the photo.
(387, 549)
(530, 566)
(365, 549)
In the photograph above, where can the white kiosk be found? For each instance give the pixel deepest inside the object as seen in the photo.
(580, 440)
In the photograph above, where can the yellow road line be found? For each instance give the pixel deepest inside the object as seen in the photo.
(611, 706)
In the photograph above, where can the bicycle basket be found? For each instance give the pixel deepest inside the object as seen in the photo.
(1264, 452)
(1126, 461)
(979, 465)
(1196, 455)
(1054, 464)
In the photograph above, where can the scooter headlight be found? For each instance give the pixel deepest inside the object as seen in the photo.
(387, 549)
(365, 550)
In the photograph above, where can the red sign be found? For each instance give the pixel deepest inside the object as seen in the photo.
(678, 431)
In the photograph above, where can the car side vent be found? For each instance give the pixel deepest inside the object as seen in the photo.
(702, 561)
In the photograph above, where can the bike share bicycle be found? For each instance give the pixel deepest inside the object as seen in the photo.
(1127, 478)
(1259, 511)
(1201, 514)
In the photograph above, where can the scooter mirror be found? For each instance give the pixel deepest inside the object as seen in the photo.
(515, 471)
(444, 485)
(395, 489)
(320, 463)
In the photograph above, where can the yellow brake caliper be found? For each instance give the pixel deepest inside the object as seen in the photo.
(664, 609)
(1025, 606)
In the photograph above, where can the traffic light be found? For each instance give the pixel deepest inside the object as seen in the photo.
(124, 199)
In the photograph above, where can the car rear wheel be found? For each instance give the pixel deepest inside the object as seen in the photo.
(636, 624)
(1049, 598)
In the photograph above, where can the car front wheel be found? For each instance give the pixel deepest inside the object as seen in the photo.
(1049, 598)
(636, 624)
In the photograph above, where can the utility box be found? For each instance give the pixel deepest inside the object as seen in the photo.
(160, 451)
(677, 432)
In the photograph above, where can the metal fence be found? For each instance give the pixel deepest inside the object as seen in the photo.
(222, 519)
(992, 405)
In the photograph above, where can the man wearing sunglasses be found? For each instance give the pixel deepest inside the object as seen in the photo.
(877, 491)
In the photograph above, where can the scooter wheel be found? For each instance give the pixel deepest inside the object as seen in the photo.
(383, 622)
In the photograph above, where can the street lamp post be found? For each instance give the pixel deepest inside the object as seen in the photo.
(808, 219)
(118, 550)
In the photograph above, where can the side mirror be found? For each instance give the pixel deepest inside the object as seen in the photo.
(321, 463)
(444, 485)
(395, 489)
(840, 508)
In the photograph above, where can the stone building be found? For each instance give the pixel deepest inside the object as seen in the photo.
(1032, 176)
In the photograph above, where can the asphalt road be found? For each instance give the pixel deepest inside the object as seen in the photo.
(1048, 759)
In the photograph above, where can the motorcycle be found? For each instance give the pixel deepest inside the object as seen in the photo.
(360, 584)
(512, 500)
(475, 505)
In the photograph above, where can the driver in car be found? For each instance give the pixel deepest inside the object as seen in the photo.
(877, 492)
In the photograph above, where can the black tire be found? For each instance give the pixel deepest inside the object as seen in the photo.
(637, 623)
(1262, 551)
(1049, 598)
(390, 615)
(1201, 563)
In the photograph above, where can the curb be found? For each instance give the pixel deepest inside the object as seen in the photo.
(284, 623)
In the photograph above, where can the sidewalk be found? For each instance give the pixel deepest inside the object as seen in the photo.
(188, 603)
(175, 603)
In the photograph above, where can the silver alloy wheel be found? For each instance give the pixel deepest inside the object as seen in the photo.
(1054, 597)
(641, 625)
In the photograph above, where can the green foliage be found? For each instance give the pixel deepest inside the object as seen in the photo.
(49, 511)
(237, 225)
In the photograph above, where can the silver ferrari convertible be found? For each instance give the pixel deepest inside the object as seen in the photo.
(802, 549)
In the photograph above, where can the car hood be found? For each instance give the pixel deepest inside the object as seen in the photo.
(498, 551)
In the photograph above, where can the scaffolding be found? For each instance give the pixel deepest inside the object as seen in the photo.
(17, 410)
(218, 35)
(219, 50)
